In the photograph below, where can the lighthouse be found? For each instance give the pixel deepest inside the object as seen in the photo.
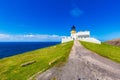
(73, 32)
(81, 36)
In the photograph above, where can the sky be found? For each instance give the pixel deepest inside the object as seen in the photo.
(50, 20)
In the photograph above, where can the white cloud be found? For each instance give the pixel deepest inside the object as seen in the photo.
(76, 12)
(30, 37)
(4, 36)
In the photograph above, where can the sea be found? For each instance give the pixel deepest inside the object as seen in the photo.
(13, 48)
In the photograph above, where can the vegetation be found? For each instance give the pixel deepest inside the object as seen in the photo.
(115, 42)
(104, 49)
(12, 68)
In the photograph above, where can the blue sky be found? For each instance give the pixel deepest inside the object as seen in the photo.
(49, 20)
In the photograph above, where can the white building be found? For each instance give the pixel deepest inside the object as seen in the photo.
(82, 35)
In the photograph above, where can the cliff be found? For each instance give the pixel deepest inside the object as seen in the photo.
(115, 42)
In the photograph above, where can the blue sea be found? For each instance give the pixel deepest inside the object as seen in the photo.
(12, 48)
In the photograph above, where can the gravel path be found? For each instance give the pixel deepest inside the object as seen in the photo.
(83, 65)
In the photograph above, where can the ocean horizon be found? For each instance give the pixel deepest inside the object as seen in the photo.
(8, 49)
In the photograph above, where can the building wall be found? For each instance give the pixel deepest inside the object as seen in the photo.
(66, 39)
(83, 36)
(93, 40)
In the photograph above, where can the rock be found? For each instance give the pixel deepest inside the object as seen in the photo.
(27, 63)
(115, 42)
(54, 60)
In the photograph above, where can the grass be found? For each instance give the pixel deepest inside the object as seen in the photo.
(10, 68)
(104, 49)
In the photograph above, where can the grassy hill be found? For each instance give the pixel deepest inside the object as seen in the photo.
(23, 66)
(115, 42)
(106, 50)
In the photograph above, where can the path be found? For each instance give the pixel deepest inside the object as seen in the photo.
(83, 65)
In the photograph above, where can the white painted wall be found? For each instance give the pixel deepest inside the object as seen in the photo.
(66, 39)
(83, 33)
(93, 40)
(88, 39)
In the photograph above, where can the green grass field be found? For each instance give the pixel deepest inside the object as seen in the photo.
(106, 50)
(10, 68)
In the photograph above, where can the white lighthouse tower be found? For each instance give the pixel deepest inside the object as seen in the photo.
(73, 33)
